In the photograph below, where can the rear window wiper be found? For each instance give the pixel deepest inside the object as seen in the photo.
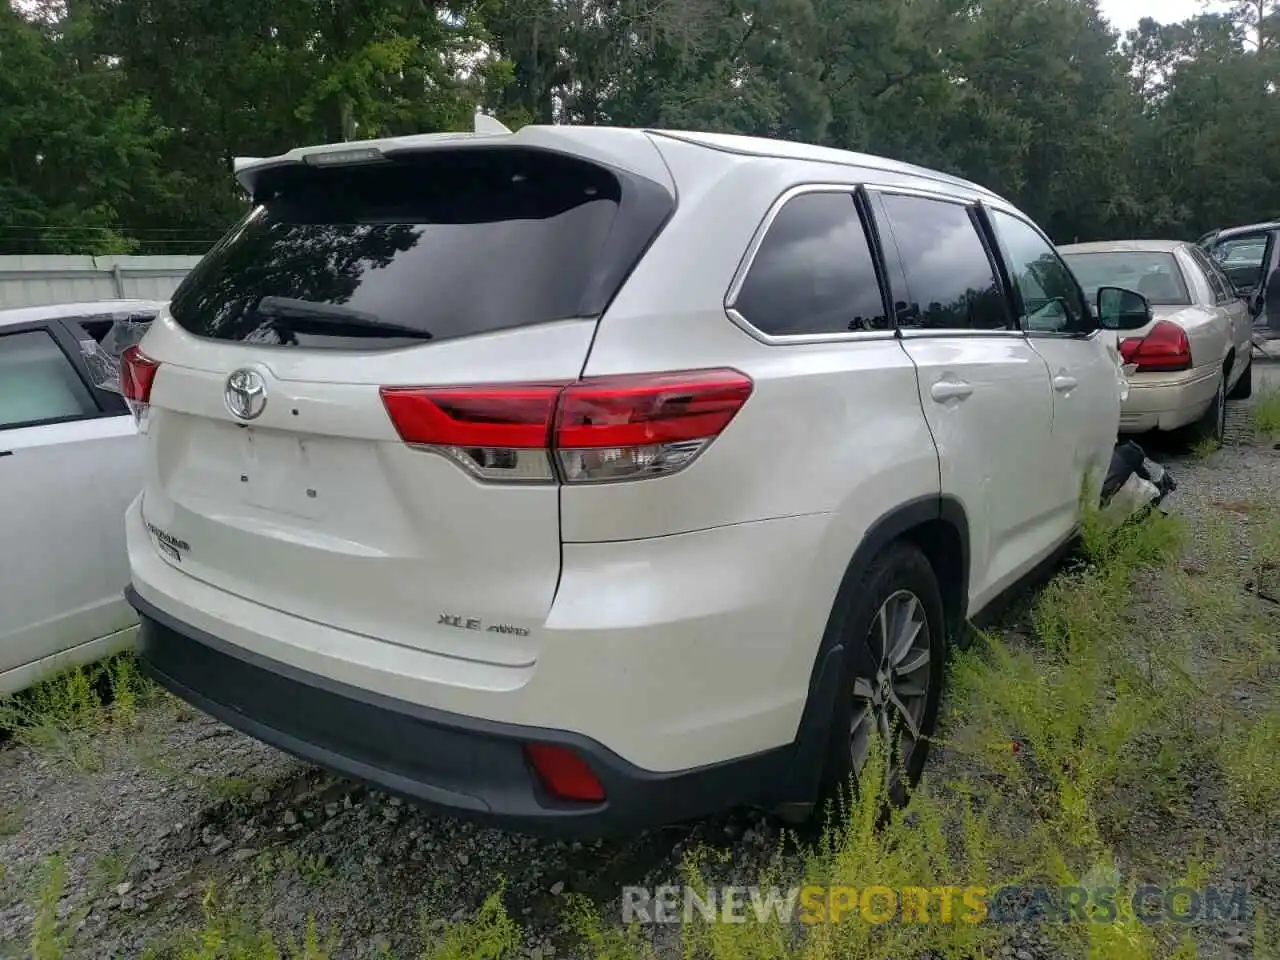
(287, 308)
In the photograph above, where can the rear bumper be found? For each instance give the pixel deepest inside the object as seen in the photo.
(466, 766)
(1168, 401)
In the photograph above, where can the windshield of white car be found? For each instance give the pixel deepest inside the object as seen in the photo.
(1154, 274)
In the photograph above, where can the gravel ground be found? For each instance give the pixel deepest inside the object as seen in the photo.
(146, 822)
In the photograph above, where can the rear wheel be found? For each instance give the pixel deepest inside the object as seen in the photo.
(895, 658)
(1212, 427)
(1244, 386)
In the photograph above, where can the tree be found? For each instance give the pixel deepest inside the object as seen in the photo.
(76, 146)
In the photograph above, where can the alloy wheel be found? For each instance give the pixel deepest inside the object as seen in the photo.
(892, 699)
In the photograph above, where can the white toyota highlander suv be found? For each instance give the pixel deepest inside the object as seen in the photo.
(584, 479)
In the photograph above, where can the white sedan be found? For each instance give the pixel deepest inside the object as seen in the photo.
(1197, 348)
(70, 463)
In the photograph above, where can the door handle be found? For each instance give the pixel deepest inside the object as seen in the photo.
(1062, 383)
(944, 390)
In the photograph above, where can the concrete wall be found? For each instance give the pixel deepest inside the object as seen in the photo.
(30, 281)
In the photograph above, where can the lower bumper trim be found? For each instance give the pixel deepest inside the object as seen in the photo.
(469, 767)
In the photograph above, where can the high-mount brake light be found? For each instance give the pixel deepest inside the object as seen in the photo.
(1164, 349)
(137, 374)
(588, 431)
(334, 158)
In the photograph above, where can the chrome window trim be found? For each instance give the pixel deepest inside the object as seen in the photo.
(853, 336)
(772, 340)
(924, 193)
(965, 332)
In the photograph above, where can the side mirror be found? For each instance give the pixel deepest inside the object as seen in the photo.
(1121, 309)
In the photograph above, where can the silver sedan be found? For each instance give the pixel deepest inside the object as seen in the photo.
(1196, 350)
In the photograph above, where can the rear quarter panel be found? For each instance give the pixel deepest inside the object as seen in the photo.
(832, 429)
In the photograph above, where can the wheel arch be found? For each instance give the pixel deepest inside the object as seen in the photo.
(939, 527)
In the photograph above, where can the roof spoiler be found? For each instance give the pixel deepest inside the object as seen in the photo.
(487, 126)
(483, 126)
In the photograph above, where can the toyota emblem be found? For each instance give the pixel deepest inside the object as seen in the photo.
(246, 394)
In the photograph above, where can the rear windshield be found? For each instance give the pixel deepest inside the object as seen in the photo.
(443, 244)
(1154, 274)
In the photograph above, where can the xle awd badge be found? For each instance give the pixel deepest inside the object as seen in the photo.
(471, 623)
(245, 394)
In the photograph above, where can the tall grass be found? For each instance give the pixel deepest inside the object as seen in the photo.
(60, 715)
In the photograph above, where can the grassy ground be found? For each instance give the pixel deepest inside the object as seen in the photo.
(1122, 728)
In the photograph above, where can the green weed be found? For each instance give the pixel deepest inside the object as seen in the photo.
(1204, 448)
(48, 936)
(110, 869)
(489, 935)
(1266, 413)
(11, 820)
(59, 715)
(227, 934)
(1250, 758)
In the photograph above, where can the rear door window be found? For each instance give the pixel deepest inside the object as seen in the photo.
(950, 280)
(438, 245)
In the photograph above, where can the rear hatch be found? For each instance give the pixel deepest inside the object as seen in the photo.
(277, 472)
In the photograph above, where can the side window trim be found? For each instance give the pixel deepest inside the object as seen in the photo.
(66, 344)
(875, 194)
(850, 190)
(1015, 295)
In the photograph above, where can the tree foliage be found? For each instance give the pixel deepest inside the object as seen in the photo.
(119, 118)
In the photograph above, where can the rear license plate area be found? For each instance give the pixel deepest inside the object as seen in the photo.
(276, 473)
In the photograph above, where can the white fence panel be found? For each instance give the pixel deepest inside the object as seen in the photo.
(36, 280)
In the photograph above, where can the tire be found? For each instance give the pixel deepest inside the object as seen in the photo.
(1243, 389)
(899, 583)
(1213, 425)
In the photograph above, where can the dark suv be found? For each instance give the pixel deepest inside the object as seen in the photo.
(1250, 257)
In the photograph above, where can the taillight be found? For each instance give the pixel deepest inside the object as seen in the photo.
(1165, 348)
(564, 774)
(496, 432)
(137, 373)
(607, 428)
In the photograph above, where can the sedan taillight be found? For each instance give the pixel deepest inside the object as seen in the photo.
(1164, 349)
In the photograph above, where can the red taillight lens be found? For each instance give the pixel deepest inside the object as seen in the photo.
(137, 374)
(563, 773)
(1163, 349)
(624, 428)
(501, 416)
(607, 428)
(498, 432)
